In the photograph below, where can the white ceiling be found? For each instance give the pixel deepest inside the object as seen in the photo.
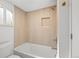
(31, 5)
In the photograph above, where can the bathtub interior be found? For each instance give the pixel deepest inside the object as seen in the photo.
(36, 51)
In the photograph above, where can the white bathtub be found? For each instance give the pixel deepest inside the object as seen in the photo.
(29, 50)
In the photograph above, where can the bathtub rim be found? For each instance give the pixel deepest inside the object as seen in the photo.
(34, 55)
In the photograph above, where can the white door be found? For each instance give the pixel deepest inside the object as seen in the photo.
(75, 28)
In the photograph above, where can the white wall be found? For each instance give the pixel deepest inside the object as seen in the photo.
(75, 28)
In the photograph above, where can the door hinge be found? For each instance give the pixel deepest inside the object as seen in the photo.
(71, 36)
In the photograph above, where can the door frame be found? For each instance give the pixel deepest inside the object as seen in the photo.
(70, 28)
